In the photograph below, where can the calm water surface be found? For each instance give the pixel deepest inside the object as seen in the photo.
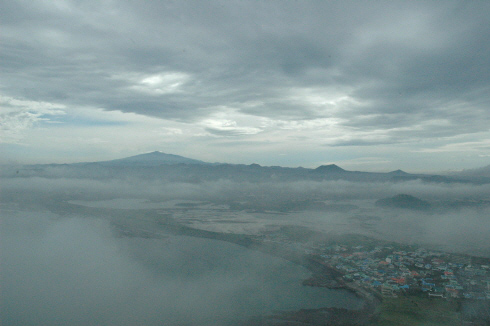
(223, 277)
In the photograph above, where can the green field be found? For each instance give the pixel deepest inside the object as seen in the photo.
(412, 311)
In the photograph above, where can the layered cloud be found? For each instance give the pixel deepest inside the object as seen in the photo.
(366, 74)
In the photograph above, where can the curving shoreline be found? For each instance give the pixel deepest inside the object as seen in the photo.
(323, 275)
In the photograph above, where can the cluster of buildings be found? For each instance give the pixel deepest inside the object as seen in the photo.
(392, 271)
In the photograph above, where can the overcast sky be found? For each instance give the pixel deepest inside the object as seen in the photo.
(368, 85)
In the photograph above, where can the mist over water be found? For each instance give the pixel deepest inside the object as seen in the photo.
(281, 108)
(63, 262)
(72, 271)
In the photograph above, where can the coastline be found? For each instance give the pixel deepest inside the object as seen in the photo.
(375, 308)
(323, 275)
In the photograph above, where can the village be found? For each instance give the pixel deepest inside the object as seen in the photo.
(391, 270)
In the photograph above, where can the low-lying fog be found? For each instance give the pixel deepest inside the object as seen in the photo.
(59, 271)
(457, 221)
(61, 267)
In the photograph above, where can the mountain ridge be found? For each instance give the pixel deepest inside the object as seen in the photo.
(179, 168)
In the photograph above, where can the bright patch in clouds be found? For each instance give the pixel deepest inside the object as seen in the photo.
(17, 116)
(326, 101)
(159, 84)
(229, 123)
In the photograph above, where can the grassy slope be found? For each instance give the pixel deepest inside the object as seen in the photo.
(413, 311)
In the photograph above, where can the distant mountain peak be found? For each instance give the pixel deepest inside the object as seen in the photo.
(398, 172)
(154, 158)
(329, 168)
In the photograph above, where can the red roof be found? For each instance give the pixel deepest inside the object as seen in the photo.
(400, 280)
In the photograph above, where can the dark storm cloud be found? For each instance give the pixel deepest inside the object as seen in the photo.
(400, 63)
